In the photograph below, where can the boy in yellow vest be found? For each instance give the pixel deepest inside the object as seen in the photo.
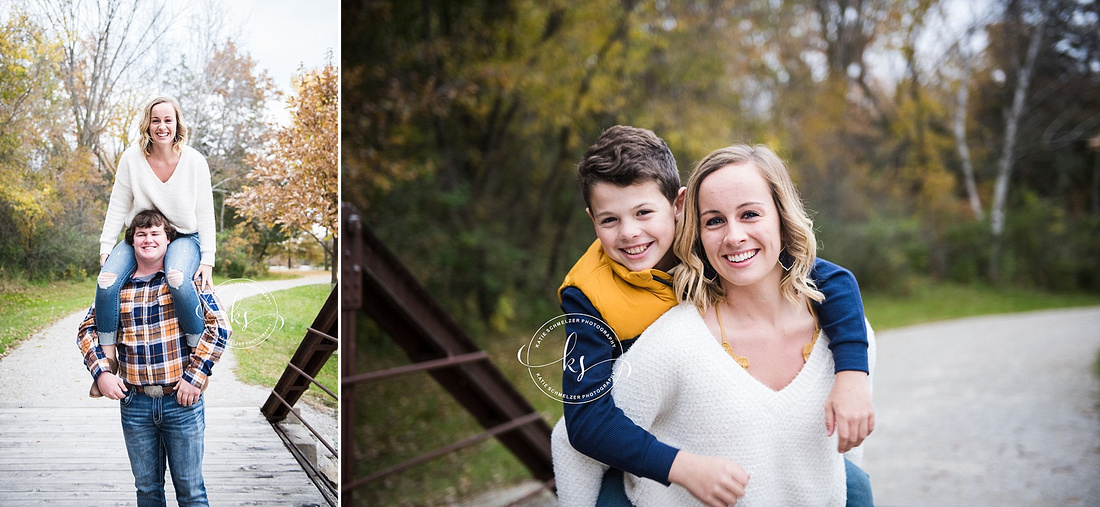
(632, 191)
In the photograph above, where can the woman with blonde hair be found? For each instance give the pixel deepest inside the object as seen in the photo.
(740, 368)
(159, 172)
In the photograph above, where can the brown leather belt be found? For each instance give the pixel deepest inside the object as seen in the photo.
(154, 391)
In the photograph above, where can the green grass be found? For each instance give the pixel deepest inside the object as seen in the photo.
(402, 417)
(936, 302)
(28, 307)
(263, 363)
(399, 418)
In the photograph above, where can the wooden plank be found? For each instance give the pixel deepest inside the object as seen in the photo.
(77, 456)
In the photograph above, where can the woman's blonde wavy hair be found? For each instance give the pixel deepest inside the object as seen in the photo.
(181, 127)
(795, 227)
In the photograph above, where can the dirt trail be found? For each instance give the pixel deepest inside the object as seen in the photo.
(995, 410)
(47, 370)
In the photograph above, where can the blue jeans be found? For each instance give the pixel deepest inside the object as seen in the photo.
(159, 428)
(183, 254)
(859, 486)
(613, 494)
(612, 490)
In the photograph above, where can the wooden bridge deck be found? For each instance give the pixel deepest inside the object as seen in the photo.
(77, 456)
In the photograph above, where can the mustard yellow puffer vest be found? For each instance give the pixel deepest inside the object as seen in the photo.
(629, 301)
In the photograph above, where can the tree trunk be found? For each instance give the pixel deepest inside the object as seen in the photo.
(963, 99)
(1094, 143)
(1012, 123)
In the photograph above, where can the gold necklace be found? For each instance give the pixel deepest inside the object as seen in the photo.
(743, 361)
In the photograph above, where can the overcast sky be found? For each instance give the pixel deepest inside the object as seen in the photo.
(283, 34)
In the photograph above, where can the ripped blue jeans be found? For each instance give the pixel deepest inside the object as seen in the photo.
(183, 255)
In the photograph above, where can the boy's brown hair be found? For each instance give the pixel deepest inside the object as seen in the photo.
(150, 218)
(627, 155)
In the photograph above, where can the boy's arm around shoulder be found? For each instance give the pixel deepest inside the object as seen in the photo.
(598, 428)
(841, 315)
(849, 410)
(215, 338)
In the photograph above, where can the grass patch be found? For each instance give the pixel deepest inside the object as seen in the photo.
(936, 302)
(263, 363)
(402, 417)
(29, 307)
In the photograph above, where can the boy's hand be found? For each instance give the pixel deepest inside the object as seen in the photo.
(187, 394)
(849, 410)
(111, 386)
(717, 482)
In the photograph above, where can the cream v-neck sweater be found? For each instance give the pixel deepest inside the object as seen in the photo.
(677, 382)
(186, 199)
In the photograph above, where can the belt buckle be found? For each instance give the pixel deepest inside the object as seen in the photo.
(153, 391)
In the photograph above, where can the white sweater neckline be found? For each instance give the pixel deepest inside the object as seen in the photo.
(813, 364)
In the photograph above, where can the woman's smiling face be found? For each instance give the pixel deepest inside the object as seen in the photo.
(739, 224)
(162, 123)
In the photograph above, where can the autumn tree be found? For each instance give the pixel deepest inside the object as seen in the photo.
(107, 48)
(49, 190)
(293, 183)
(224, 97)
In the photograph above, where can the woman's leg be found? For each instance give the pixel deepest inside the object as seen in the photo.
(119, 267)
(180, 264)
(612, 490)
(859, 485)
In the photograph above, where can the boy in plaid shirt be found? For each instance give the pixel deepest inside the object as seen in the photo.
(160, 378)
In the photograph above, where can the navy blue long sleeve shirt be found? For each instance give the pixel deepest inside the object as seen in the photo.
(601, 430)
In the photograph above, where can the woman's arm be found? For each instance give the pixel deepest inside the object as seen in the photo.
(204, 212)
(122, 200)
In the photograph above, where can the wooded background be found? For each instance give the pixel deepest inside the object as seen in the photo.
(934, 140)
(74, 77)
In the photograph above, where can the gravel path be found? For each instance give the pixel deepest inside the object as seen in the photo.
(47, 369)
(996, 410)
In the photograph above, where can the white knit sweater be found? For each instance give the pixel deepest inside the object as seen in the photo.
(186, 199)
(678, 383)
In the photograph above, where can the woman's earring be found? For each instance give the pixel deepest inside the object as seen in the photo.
(786, 260)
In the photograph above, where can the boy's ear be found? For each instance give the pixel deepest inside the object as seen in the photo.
(589, 212)
(679, 204)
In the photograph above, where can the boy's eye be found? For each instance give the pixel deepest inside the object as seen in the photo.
(608, 220)
(644, 212)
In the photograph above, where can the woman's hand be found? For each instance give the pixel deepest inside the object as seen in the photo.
(205, 273)
(103, 259)
(849, 410)
(715, 481)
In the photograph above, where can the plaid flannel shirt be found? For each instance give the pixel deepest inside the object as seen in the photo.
(150, 345)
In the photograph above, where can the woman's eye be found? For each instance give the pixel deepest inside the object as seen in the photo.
(711, 222)
(750, 214)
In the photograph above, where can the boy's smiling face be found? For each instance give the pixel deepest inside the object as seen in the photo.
(635, 224)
